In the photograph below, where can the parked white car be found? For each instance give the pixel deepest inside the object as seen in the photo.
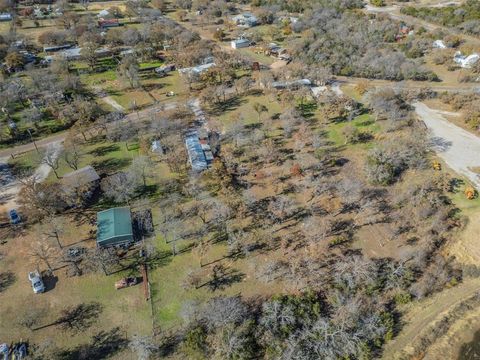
(37, 282)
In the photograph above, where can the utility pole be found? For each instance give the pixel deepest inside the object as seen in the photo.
(31, 138)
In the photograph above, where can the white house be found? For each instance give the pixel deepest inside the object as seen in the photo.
(245, 20)
(466, 61)
(196, 70)
(439, 44)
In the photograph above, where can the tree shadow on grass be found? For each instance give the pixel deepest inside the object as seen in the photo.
(223, 279)
(104, 150)
(110, 165)
(229, 105)
(103, 345)
(50, 281)
(80, 317)
(147, 191)
(133, 262)
(7, 279)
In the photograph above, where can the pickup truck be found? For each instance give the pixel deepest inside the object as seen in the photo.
(37, 282)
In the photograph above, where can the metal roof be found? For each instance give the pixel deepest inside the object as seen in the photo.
(196, 155)
(114, 226)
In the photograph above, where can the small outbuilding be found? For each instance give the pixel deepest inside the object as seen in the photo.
(114, 227)
(240, 43)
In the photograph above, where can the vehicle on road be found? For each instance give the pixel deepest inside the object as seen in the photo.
(14, 217)
(37, 283)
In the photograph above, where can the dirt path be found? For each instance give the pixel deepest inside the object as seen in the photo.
(456, 146)
(425, 312)
(102, 94)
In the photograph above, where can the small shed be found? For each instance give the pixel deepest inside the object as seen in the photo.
(240, 43)
(114, 227)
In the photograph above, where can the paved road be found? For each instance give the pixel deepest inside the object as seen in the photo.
(60, 137)
(414, 85)
(394, 13)
(459, 148)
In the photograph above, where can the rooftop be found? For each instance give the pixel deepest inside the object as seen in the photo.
(114, 226)
(80, 177)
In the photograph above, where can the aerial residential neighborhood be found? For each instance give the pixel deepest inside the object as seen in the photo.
(239, 179)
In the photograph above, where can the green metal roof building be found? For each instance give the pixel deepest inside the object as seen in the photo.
(114, 227)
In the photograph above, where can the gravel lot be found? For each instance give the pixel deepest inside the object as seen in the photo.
(459, 148)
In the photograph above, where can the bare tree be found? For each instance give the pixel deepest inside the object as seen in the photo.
(51, 159)
(53, 227)
(221, 311)
(142, 166)
(43, 251)
(72, 154)
(128, 70)
(142, 346)
(259, 109)
(121, 187)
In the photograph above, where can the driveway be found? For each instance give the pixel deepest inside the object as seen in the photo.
(459, 148)
(10, 186)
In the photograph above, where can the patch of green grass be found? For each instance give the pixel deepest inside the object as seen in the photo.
(27, 161)
(364, 123)
(92, 79)
(244, 107)
(127, 99)
(261, 58)
(350, 91)
(105, 156)
(458, 197)
(150, 63)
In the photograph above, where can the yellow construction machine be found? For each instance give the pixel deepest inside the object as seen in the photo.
(470, 192)
(436, 165)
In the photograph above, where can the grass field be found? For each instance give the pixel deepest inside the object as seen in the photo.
(125, 309)
(364, 123)
(244, 108)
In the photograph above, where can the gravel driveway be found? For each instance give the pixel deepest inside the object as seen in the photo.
(10, 187)
(459, 148)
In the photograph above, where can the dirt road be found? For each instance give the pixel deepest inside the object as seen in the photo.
(424, 313)
(60, 137)
(456, 146)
